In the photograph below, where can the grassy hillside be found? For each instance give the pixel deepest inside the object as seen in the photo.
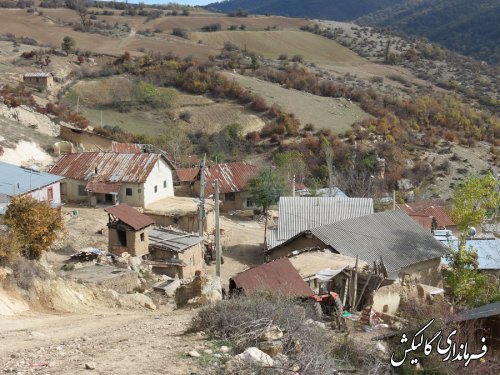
(323, 9)
(271, 44)
(469, 27)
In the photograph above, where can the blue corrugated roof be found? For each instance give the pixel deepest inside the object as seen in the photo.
(16, 180)
(488, 252)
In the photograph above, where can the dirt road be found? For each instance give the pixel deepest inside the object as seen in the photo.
(110, 342)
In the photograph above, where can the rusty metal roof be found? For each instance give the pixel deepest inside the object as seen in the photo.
(126, 148)
(130, 216)
(187, 174)
(233, 177)
(278, 276)
(102, 187)
(108, 166)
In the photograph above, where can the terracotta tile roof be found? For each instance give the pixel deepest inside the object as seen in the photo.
(110, 166)
(278, 276)
(187, 174)
(423, 220)
(430, 209)
(130, 216)
(233, 177)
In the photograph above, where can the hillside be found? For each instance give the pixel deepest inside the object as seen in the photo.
(324, 9)
(471, 28)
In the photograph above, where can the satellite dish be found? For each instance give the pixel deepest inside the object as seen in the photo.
(472, 231)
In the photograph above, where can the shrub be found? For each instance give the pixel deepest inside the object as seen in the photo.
(297, 58)
(9, 249)
(182, 33)
(212, 27)
(242, 321)
(35, 225)
(186, 116)
(259, 104)
(283, 56)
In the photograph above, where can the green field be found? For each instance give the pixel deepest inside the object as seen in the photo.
(135, 121)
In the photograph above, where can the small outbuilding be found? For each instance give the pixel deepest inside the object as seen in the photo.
(278, 276)
(175, 253)
(128, 230)
(39, 79)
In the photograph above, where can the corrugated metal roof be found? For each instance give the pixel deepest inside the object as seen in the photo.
(101, 187)
(37, 75)
(173, 240)
(486, 311)
(233, 177)
(187, 174)
(297, 214)
(110, 166)
(488, 251)
(126, 148)
(392, 235)
(16, 180)
(278, 276)
(130, 216)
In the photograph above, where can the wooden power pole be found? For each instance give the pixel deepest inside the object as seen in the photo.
(217, 230)
(201, 207)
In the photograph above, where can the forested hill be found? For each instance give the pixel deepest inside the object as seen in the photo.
(468, 27)
(340, 10)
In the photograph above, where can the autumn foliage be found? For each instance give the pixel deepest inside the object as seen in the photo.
(34, 224)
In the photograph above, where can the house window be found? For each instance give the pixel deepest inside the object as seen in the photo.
(142, 237)
(128, 191)
(164, 183)
(230, 197)
(249, 203)
(139, 191)
(156, 188)
(81, 190)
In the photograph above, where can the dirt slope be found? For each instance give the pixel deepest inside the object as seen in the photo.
(115, 342)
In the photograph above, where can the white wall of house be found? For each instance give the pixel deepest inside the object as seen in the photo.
(46, 192)
(140, 195)
(159, 183)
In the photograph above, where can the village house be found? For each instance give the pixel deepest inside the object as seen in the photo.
(110, 178)
(175, 253)
(128, 230)
(233, 183)
(39, 79)
(18, 181)
(181, 213)
(297, 214)
(278, 276)
(429, 214)
(404, 247)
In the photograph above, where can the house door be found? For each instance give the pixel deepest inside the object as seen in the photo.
(109, 198)
(122, 238)
(50, 194)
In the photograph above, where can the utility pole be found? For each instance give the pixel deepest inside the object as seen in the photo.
(201, 208)
(217, 230)
(293, 186)
(77, 103)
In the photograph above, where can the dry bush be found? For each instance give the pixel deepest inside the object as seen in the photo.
(8, 248)
(26, 271)
(241, 321)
